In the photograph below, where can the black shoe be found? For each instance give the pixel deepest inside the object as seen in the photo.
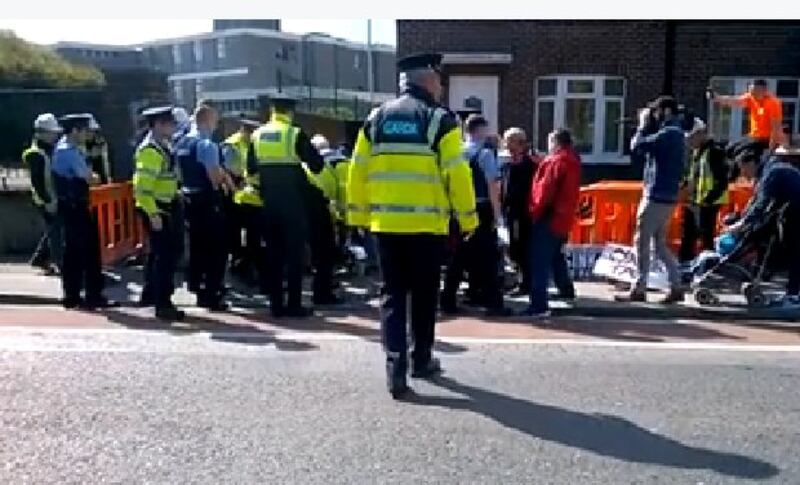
(146, 299)
(328, 300)
(298, 312)
(214, 305)
(568, 297)
(99, 303)
(429, 369)
(277, 312)
(72, 303)
(170, 314)
(396, 379)
(634, 296)
(449, 308)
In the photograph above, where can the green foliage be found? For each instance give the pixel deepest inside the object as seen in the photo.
(29, 66)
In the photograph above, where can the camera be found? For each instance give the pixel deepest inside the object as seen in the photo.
(684, 115)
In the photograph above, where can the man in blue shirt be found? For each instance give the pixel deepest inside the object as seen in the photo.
(480, 254)
(205, 184)
(666, 157)
(72, 178)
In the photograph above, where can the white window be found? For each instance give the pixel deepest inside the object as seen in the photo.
(357, 61)
(176, 54)
(198, 51)
(198, 89)
(177, 89)
(731, 124)
(221, 48)
(591, 107)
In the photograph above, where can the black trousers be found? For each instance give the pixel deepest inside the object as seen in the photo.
(519, 247)
(165, 249)
(208, 252)
(323, 249)
(410, 267)
(791, 241)
(698, 222)
(286, 236)
(50, 246)
(81, 269)
(254, 254)
(479, 256)
(234, 223)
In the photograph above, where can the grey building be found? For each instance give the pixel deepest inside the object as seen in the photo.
(244, 59)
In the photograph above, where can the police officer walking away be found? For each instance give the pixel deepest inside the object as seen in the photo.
(206, 184)
(72, 178)
(279, 150)
(155, 186)
(37, 158)
(408, 173)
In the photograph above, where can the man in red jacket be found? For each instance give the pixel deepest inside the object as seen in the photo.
(553, 202)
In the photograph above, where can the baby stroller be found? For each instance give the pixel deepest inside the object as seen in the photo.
(744, 267)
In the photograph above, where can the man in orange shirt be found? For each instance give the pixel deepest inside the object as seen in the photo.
(766, 113)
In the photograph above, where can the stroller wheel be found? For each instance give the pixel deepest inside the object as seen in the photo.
(704, 297)
(754, 295)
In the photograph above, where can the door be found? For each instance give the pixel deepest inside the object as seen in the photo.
(476, 92)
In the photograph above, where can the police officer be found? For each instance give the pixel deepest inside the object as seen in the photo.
(408, 173)
(155, 186)
(279, 149)
(72, 178)
(234, 150)
(37, 158)
(206, 184)
(97, 152)
(321, 197)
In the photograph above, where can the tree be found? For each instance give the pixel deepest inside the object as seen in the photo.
(30, 66)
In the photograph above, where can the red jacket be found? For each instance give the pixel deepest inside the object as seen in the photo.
(556, 189)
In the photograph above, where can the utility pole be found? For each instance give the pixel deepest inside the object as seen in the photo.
(370, 73)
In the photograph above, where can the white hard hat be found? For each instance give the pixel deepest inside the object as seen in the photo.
(93, 124)
(47, 122)
(320, 142)
(180, 115)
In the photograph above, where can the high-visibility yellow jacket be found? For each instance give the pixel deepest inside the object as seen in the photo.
(701, 178)
(48, 177)
(274, 142)
(341, 171)
(408, 174)
(235, 148)
(250, 194)
(325, 181)
(154, 179)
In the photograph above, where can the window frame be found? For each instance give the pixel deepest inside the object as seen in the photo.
(176, 55)
(197, 50)
(222, 48)
(738, 119)
(559, 100)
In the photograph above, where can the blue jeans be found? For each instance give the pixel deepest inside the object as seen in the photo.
(543, 246)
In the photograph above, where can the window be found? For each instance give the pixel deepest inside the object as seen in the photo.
(198, 51)
(176, 54)
(357, 61)
(732, 124)
(178, 92)
(198, 89)
(590, 106)
(221, 48)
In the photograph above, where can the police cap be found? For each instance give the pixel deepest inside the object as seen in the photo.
(420, 61)
(159, 113)
(283, 101)
(75, 120)
(464, 113)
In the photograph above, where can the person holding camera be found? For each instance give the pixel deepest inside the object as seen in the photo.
(661, 138)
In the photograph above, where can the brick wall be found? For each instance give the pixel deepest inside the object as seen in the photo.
(636, 50)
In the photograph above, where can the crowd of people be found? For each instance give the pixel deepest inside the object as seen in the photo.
(421, 189)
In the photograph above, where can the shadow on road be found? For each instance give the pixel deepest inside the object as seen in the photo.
(602, 434)
(218, 330)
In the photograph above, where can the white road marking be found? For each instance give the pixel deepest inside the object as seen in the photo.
(31, 339)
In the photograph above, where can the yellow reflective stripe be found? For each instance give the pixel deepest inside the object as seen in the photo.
(435, 122)
(401, 149)
(147, 171)
(139, 190)
(452, 162)
(359, 159)
(406, 209)
(404, 177)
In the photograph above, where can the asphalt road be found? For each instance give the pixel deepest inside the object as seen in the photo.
(136, 407)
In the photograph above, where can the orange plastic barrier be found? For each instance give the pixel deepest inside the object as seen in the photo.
(607, 212)
(121, 233)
